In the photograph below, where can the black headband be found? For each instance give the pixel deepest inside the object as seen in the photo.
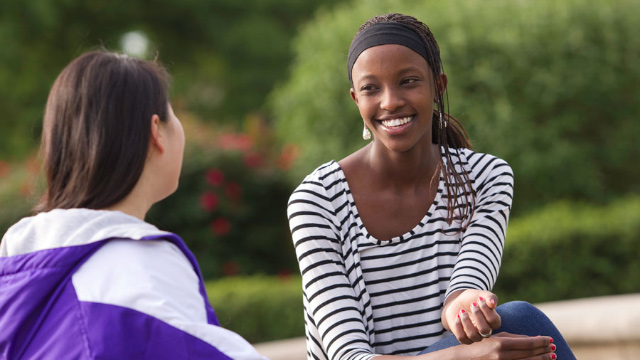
(382, 34)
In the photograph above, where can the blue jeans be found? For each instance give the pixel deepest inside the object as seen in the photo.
(519, 317)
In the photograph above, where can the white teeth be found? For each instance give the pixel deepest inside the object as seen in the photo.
(396, 122)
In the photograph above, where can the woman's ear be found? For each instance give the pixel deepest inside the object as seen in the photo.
(353, 95)
(443, 81)
(156, 140)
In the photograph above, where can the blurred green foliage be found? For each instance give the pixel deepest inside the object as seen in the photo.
(562, 251)
(225, 55)
(18, 183)
(260, 308)
(572, 250)
(550, 86)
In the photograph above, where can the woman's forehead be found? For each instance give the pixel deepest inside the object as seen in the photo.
(388, 58)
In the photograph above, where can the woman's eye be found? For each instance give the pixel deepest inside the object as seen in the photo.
(409, 80)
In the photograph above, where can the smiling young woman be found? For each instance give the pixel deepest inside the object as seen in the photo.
(400, 243)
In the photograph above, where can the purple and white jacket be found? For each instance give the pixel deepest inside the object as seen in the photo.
(93, 284)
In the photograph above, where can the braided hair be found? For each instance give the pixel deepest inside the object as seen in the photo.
(447, 131)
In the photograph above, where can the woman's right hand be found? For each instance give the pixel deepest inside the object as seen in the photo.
(508, 346)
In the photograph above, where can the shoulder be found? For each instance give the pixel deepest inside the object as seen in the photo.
(155, 279)
(152, 276)
(317, 201)
(326, 176)
(482, 166)
(323, 185)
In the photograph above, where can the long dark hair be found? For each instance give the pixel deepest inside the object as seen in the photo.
(447, 131)
(96, 129)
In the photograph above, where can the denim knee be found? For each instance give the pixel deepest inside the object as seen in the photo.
(518, 309)
(520, 317)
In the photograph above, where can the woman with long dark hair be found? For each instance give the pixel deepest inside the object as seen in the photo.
(87, 277)
(400, 243)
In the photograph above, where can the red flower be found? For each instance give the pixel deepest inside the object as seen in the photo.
(230, 268)
(287, 156)
(240, 142)
(4, 168)
(209, 201)
(26, 188)
(253, 159)
(221, 226)
(215, 177)
(233, 191)
(33, 167)
(284, 275)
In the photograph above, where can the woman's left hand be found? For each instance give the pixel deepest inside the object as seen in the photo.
(471, 315)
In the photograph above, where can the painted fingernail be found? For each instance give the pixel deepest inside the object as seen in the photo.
(553, 347)
(474, 304)
(462, 311)
(550, 340)
(493, 302)
(553, 356)
(480, 298)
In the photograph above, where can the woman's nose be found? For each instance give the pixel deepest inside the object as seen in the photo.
(391, 100)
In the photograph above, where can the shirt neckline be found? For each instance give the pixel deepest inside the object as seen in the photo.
(398, 238)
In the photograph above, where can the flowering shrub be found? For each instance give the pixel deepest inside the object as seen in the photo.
(230, 207)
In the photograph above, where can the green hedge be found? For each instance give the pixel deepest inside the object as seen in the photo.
(260, 308)
(563, 251)
(571, 250)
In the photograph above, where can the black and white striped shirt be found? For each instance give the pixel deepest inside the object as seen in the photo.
(364, 296)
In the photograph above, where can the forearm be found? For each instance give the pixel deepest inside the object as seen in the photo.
(445, 308)
(452, 353)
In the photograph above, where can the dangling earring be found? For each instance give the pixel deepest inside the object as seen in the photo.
(366, 134)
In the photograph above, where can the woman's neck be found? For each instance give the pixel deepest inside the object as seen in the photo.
(402, 170)
(137, 203)
(129, 209)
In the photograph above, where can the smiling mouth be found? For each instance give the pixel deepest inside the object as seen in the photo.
(393, 123)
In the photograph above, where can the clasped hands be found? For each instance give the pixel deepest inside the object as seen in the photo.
(471, 315)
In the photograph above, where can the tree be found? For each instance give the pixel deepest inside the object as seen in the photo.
(224, 55)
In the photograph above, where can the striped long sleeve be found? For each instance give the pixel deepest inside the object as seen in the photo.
(480, 254)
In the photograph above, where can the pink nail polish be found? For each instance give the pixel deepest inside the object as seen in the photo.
(480, 299)
(553, 356)
(458, 316)
(474, 304)
(462, 311)
(550, 340)
(553, 347)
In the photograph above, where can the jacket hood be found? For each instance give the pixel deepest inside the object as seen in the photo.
(72, 227)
